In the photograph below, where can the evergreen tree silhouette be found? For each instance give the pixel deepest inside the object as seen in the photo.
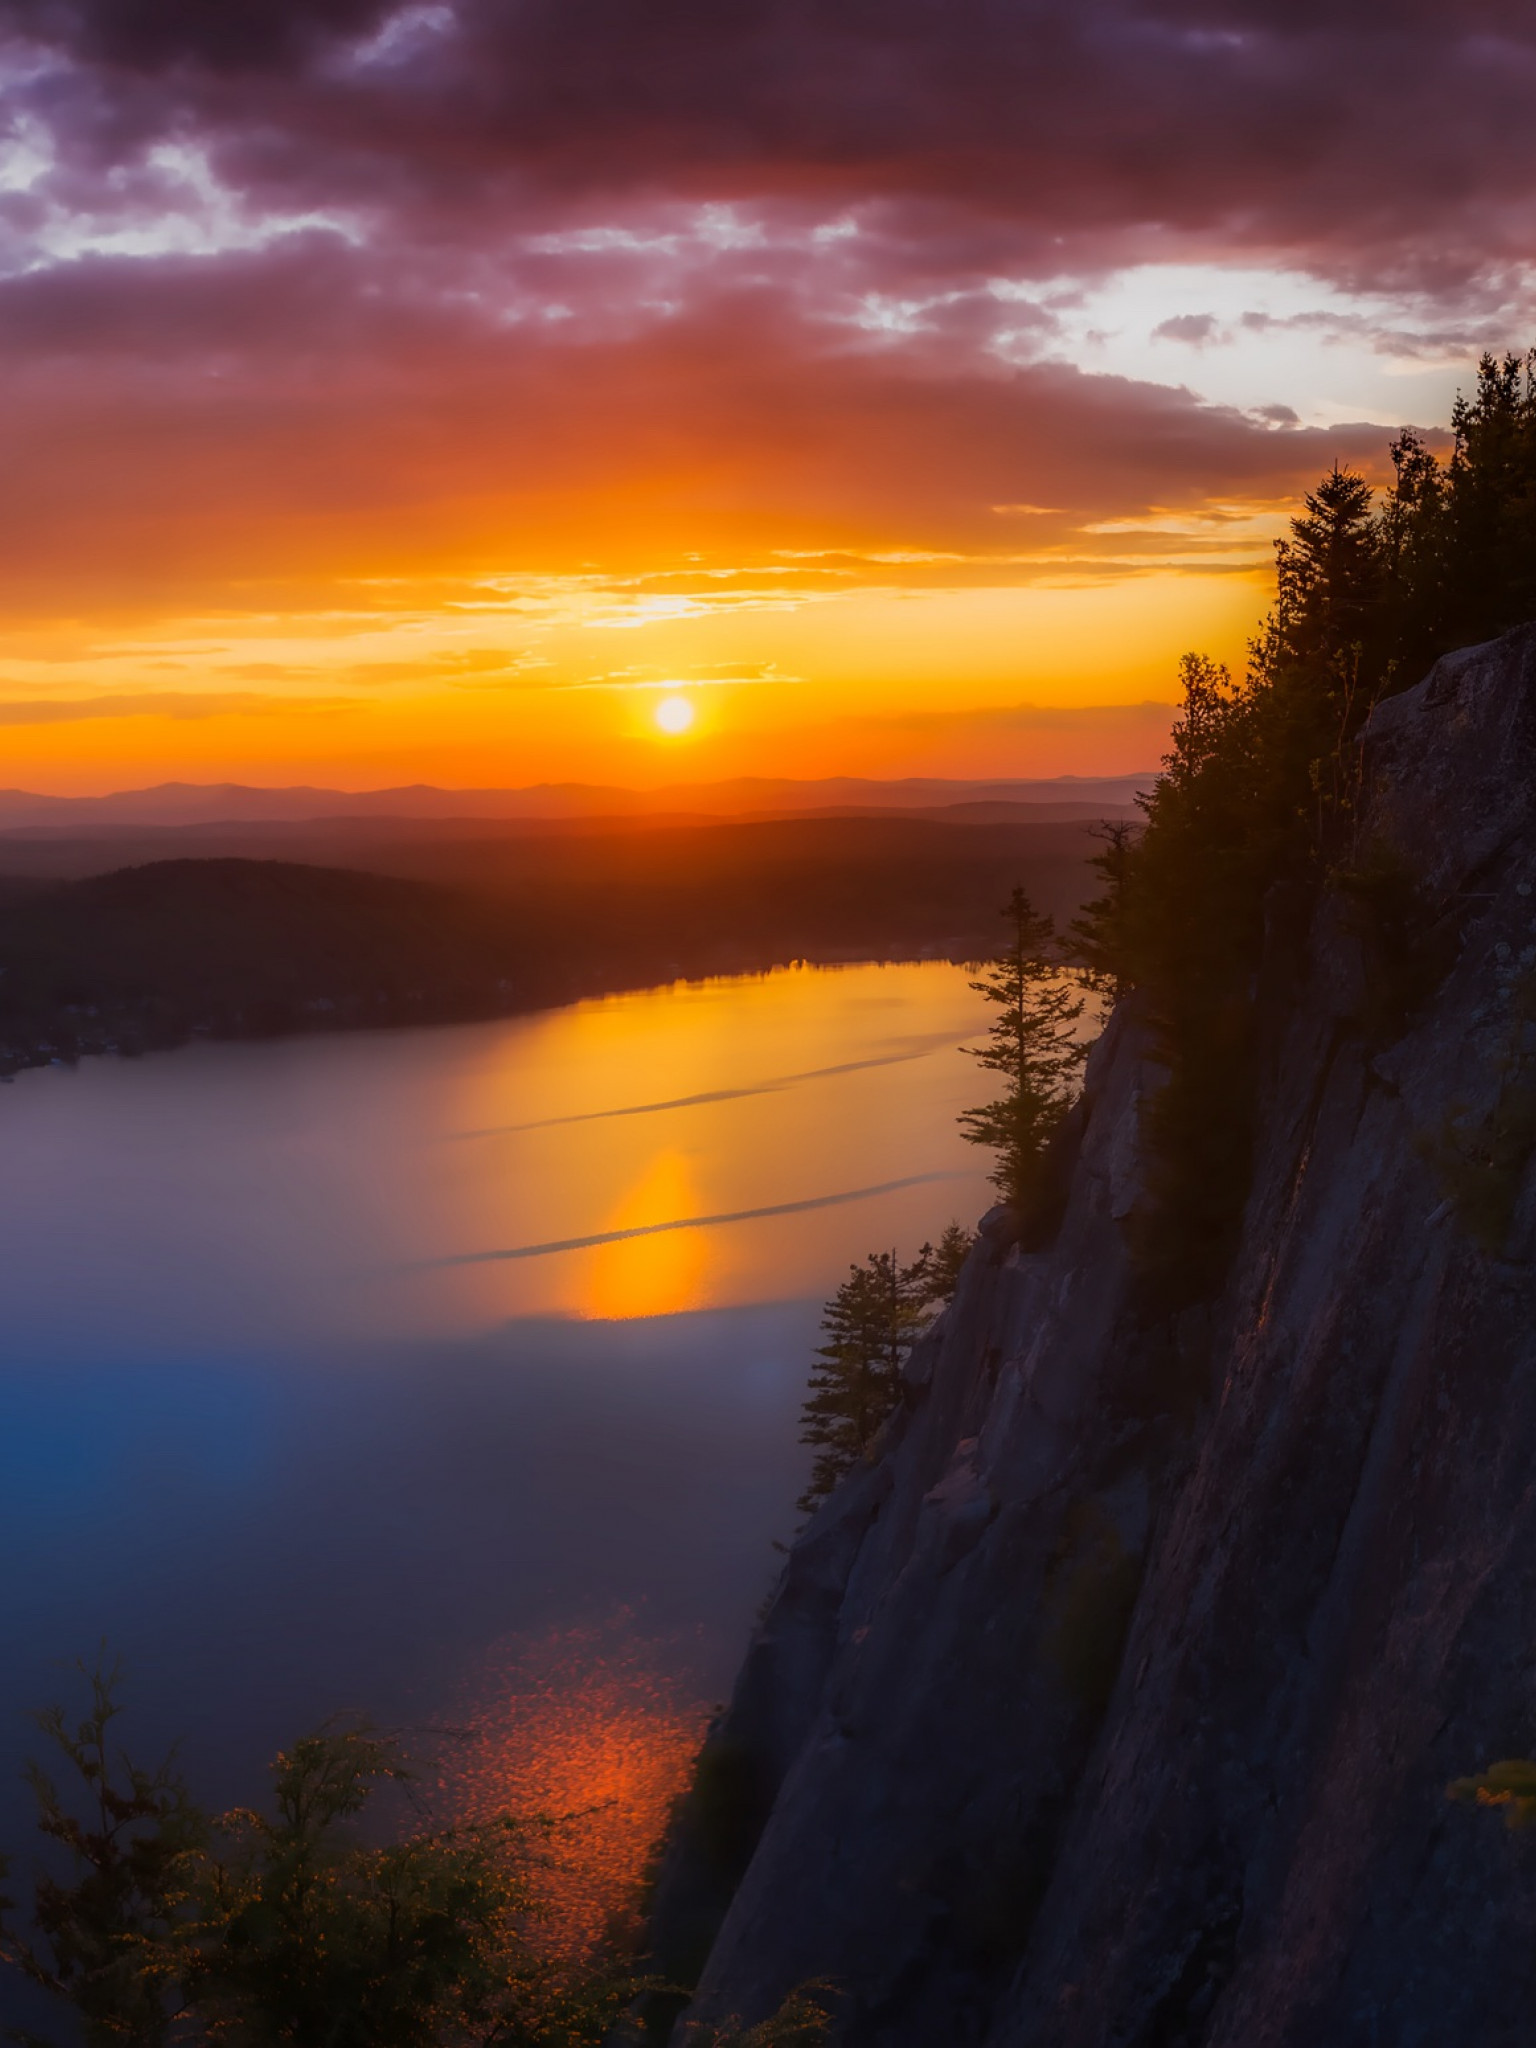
(1034, 1045)
(870, 1326)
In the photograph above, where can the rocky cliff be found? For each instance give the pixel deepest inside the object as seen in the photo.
(1116, 1702)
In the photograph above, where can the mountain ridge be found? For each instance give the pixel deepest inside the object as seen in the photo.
(173, 803)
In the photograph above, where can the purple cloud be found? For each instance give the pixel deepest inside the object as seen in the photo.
(272, 269)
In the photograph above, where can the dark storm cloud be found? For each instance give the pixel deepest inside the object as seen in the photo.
(1359, 134)
(226, 35)
(789, 272)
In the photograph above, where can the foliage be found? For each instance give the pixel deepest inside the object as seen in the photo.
(1091, 1589)
(305, 1932)
(158, 952)
(1098, 936)
(1260, 789)
(296, 1926)
(1481, 1162)
(936, 1271)
(1033, 1044)
(802, 2021)
(1511, 1785)
(870, 1326)
(104, 1932)
(1406, 951)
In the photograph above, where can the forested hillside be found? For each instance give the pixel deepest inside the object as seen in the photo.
(146, 956)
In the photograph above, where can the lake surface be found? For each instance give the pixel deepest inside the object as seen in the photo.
(376, 1373)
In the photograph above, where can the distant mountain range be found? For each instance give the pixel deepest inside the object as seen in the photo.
(191, 803)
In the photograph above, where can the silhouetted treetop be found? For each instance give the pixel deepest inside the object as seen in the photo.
(1261, 779)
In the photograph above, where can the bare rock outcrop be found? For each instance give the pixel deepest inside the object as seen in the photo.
(1115, 1703)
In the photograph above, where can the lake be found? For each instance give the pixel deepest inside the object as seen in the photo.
(375, 1372)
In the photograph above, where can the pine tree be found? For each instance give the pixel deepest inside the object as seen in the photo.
(870, 1326)
(1033, 1044)
(936, 1271)
(1328, 576)
(1098, 935)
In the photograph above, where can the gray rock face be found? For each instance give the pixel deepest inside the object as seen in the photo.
(1115, 1703)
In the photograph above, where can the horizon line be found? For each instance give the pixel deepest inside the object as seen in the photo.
(535, 788)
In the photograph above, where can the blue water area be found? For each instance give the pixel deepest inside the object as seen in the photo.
(266, 1541)
(449, 1377)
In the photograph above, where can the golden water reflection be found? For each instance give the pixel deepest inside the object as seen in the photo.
(253, 1252)
(370, 1185)
(656, 1275)
(595, 1729)
(716, 1099)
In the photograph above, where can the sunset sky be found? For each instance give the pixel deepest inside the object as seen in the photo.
(430, 392)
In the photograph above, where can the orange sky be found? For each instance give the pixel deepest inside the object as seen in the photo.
(372, 414)
(880, 681)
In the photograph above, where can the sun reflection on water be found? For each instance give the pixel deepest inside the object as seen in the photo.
(650, 1276)
(595, 1729)
(713, 1098)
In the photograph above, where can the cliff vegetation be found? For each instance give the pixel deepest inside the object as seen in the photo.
(1112, 1700)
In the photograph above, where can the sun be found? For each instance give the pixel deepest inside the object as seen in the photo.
(674, 714)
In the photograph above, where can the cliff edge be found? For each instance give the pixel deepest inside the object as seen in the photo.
(1115, 1702)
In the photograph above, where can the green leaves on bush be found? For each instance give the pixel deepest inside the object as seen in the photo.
(164, 1925)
